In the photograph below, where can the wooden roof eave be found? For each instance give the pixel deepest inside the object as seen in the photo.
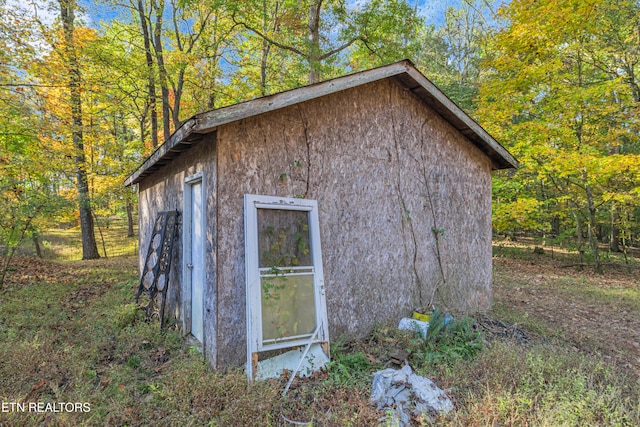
(179, 141)
(403, 71)
(439, 102)
(209, 121)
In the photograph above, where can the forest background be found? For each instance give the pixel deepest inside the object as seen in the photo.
(556, 82)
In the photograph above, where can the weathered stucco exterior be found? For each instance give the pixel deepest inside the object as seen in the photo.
(404, 204)
(367, 167)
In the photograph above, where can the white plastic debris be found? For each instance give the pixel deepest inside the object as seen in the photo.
(402, 393)
(407, 324)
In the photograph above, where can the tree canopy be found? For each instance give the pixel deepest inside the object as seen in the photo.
(561, 93)
(556, 82)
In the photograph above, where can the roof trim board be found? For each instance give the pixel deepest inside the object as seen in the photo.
(403, 71)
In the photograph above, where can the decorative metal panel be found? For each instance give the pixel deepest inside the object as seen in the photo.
(155, 274)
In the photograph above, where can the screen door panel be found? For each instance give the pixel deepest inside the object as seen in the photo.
(285, 283)
(283, 238)
(286, 275)
(288, 307)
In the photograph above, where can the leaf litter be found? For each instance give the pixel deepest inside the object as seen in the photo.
(598, 314)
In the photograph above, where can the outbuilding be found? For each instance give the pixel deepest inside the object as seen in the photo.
(323, 210)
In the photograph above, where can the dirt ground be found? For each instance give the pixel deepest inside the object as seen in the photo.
(595, 313)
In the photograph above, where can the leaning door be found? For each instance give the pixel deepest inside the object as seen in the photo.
(285, 284)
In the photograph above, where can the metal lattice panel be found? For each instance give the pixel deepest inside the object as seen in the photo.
(155, 274)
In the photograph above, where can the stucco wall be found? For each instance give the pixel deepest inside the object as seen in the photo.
(404, 201)
(163, 190)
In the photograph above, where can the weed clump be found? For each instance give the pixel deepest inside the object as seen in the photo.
(349, 368)
(126, 315)
(449, 339)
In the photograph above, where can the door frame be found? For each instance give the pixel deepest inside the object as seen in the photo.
(187, 255)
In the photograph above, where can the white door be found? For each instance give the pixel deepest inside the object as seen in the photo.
(197, 262)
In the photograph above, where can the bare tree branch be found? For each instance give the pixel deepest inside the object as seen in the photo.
(340, 48)
(269, 39)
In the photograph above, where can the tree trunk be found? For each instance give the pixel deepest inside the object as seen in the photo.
(614, 240)
(266, 47)
(593, 240)
(129, 219)
(555, 226)
(579, 235)
(89, 247)
(313, 48)
(177, 98)
(151, 82)
(36, 244)
(264, 61)
(164, 86)
(177, 87)
(211, 100)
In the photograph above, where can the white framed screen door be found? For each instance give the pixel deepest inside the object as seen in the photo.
(284, 277)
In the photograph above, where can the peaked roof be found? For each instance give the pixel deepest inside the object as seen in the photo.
(403, 71)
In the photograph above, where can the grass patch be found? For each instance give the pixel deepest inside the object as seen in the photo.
(541, 384)
(76, 336)
(71, 333)
(616, 296)
(65, 244)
